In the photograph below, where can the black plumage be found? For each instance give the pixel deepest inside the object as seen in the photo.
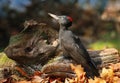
(71, 44)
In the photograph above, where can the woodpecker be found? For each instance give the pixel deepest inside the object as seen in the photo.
(71, 44)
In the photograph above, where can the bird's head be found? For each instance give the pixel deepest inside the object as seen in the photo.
(63, 20)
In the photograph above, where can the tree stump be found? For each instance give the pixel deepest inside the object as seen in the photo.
(60, 66)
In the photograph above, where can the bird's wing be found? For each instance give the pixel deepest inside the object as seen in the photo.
(81, 48)
(73, 46)
(73, 50)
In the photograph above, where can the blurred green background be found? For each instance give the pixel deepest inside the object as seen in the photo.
(97, 22)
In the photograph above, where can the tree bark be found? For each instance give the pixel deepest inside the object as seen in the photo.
(105, 57)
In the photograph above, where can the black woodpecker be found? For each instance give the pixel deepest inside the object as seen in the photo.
(71, 44)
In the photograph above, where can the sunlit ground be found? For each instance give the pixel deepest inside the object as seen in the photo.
(107, 40)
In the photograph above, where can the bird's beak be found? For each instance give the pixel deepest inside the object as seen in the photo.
(54, 16)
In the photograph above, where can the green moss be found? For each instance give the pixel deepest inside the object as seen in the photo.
(101, 44)
(16, 38)
(5, 61)
(107, 40)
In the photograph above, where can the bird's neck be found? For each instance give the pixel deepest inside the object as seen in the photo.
(62, 31)
(63, 27)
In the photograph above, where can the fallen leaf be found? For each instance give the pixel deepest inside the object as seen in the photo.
(96, 80)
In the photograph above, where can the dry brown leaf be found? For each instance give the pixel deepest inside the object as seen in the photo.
(78, 69)
(37, 73)
(73, 80)
(115, 67)
(24, 81)
(96, 80)
(81, 75)
(56, 81)
(3, 80)
(67, 80)
(107, 74)
(116, 80)
(37, 79)
(21, 71)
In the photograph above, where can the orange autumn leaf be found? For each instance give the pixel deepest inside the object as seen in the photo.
(78, 69)
(116, 79)
(107, 74)
(24, 81)
(81, 75)
(96, 80)
(37, 79)
(37, 73)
